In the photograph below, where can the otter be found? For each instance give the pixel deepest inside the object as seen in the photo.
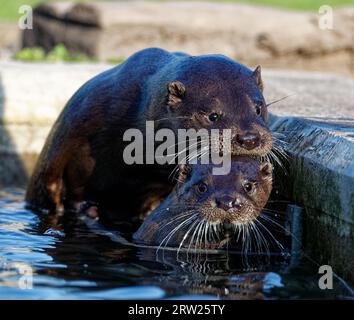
(81, 161)
(204, 211)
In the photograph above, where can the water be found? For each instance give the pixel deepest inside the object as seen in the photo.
(38, 261)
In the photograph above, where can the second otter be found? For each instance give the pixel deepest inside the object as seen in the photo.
(204, 210)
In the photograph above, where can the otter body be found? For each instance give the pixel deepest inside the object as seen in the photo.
(206, 211)
(82, 159)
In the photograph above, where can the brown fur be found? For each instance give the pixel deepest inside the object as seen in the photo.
(82, 157)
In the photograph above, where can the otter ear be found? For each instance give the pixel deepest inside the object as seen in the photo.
(176, 92)
(184, 172)
(266, 169)
(257, 76)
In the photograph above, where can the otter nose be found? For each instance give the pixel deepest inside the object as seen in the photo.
(238, 204)
(224, 203)
(248, 140)
(227, 202)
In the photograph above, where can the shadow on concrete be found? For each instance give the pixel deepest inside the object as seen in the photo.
(12, 169)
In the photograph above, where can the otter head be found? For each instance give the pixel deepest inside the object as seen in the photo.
(218, 93)
(205, 210)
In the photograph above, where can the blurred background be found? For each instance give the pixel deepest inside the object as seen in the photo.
(296, 34)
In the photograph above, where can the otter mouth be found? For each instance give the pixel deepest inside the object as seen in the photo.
(206, 235)
(209, 228)
(262, 150)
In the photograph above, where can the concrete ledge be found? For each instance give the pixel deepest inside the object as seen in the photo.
(322, 166)
(321, 177)
(31, 98)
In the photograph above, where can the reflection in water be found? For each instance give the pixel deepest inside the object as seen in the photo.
(73, 262)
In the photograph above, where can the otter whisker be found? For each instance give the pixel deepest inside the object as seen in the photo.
(178, 143)
(280, 99)
(272, 211)
(171, 233)
(272, 221)
(188, 221)
(186, 235)
(192, 242)
(177, 218)
(248, 238)
(174, 172)
(278, 141)
(206, 229)
(199, 235)
(262, 238)
(182, 151)
(204, 234)
(179, 117)
(193, 235)
(271, 235)
(277, 146)
(211, 232)
(276, 160)
(237, 229)
(196, 243)
(176, 168)
(190, 157)
(256, 238)
(244, 240)
(249, 245)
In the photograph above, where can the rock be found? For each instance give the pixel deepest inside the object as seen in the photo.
(250, 34)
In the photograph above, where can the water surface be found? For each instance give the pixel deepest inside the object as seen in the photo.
(38, 261)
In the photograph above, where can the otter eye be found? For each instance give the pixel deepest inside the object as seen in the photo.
(213, 117)
(248, 187)
(258, 109)
(202, 187)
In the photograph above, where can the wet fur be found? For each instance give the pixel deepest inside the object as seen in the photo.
(82, 157)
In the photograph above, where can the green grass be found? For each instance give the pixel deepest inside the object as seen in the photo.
(312, 5)
(9, 8)
(58, 53)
